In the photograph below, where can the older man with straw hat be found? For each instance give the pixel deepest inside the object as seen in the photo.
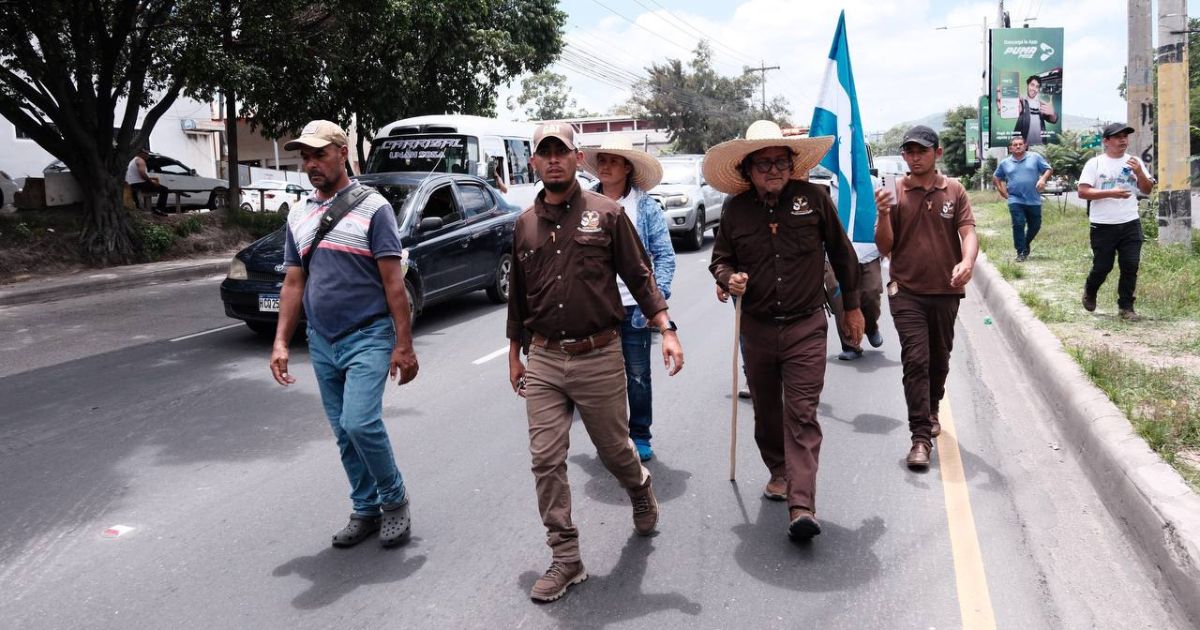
(626, 174)
(775, 232)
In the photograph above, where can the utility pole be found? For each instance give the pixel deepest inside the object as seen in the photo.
(1139, 82)
(763, 69)
(1174, 197)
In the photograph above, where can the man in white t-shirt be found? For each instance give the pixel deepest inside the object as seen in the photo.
(140, 181)
(1111, 181)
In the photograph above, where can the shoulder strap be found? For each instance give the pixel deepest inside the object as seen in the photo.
(340, 208)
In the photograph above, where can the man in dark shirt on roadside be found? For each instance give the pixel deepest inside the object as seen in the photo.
(569, 248)
(930, 236)
(775, 233)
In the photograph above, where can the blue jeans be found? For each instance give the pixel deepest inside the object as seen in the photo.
(351, 373)
(635, 345)
(1024, 215)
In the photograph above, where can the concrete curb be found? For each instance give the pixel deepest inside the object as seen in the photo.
(1142, 491)
(100, 280)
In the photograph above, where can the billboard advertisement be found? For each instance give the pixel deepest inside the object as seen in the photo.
(971, 143)
(1026, 85)
(984, 126)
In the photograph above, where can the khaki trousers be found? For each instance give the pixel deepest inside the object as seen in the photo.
(557, 383)
(785, 368)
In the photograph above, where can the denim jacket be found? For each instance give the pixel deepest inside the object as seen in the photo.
(651, 226)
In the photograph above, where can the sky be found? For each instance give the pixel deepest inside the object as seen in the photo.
(905, 66)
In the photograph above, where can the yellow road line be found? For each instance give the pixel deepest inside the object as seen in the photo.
(973, 601)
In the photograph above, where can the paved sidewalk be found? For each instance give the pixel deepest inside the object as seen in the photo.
(91, 281)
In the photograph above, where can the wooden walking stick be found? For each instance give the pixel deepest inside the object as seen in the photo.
(737, 332)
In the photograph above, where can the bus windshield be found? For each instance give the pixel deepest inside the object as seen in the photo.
(424, 153)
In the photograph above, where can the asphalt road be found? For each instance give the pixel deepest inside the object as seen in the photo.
(143, 408)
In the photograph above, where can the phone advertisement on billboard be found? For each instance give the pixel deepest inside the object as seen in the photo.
(971, 131)
(1026, 80)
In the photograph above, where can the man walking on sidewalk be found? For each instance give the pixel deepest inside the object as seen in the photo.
(770, 252)
(570, 247)
(1111, 181)
(352, 287)
(1020, 178)
(929, 233)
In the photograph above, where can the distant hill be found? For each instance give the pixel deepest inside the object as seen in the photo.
(937, 121)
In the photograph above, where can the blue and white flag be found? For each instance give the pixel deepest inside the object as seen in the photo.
(836, 115)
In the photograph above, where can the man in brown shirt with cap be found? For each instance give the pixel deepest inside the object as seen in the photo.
(930, 237)
(569, 248)
(770, 250)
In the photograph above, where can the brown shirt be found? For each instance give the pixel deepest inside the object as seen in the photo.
(926, 245)
(566, 259)
(787, 266)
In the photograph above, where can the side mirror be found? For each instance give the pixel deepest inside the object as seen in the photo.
(429, 224)
(874, 172)
(192, 172)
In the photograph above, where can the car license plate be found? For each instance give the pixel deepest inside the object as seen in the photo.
(268, 303)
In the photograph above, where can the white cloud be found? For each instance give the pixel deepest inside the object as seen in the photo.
(903, 67)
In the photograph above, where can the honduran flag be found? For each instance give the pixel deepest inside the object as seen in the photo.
(836, 115)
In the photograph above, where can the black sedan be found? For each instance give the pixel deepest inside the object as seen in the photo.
(457, 230)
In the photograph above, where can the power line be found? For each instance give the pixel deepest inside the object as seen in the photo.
(706, 36)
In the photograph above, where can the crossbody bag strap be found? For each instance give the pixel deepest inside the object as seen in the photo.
(342, 206)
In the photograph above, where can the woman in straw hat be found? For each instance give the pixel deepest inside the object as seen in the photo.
(626, 175)
(775, 232)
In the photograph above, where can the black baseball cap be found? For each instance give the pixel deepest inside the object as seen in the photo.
(1117, 129)
(921, 135)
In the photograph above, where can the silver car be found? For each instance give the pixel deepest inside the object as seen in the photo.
(691, 205)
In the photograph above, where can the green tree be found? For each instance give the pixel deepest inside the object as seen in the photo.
(697, 106)
(889, 143)
(1068, 156)
(953, 139)
(546, 96)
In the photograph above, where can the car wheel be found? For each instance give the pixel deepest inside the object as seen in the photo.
(498, 291)
(263, 329)
(246, 207)
(218, 200)
(695, 238)
(411, 294)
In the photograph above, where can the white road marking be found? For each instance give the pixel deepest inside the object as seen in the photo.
(482, 360)
(205, 332)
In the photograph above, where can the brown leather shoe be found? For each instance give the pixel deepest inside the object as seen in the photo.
(776, 489)
(918, 456)
(554, 582)
(936, 427)
(645, 508)
(804, 524)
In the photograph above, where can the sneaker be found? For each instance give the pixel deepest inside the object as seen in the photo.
(645, 453)
(803, 524)
(875, 339)
(356, 531)
(645, 508)
(850, 355)
(744, 392)
(554, 582)
(395, 525)
(1129, 315)
(1089, 302)
(776, 489)
(1021, 257)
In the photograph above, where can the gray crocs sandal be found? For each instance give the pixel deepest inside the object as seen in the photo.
(396, 525)
(356, 531)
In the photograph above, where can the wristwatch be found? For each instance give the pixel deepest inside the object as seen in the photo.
(670, 327)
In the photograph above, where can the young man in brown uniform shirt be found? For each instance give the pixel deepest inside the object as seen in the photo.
(930, 237)
(569, 248)
(770, 250)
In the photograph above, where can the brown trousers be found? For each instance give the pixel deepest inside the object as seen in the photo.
(557, 383)
(925, 325)
(869, 292)
(785, 369)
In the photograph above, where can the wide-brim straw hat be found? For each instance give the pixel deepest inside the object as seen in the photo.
(722, 161)
(647, 172)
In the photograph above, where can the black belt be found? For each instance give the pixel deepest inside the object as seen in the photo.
(789, 318)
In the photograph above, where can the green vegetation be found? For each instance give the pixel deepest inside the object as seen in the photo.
(1148, 368)
(156, 239)
(259, 224)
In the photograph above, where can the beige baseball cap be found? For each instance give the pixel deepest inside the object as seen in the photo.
(318, 134)
(563, 131)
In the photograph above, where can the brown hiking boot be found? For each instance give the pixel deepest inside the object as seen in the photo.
(553, 584)
(645, 508)
(776, 489)
(803, 524)
(1129, 315)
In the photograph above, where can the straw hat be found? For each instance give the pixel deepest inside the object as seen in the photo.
(647, 172)
(721, 163)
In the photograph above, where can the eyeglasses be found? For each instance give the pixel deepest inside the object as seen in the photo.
(780, 164)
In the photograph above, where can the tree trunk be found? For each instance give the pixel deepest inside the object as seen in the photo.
(358, 146)
(108, 236)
